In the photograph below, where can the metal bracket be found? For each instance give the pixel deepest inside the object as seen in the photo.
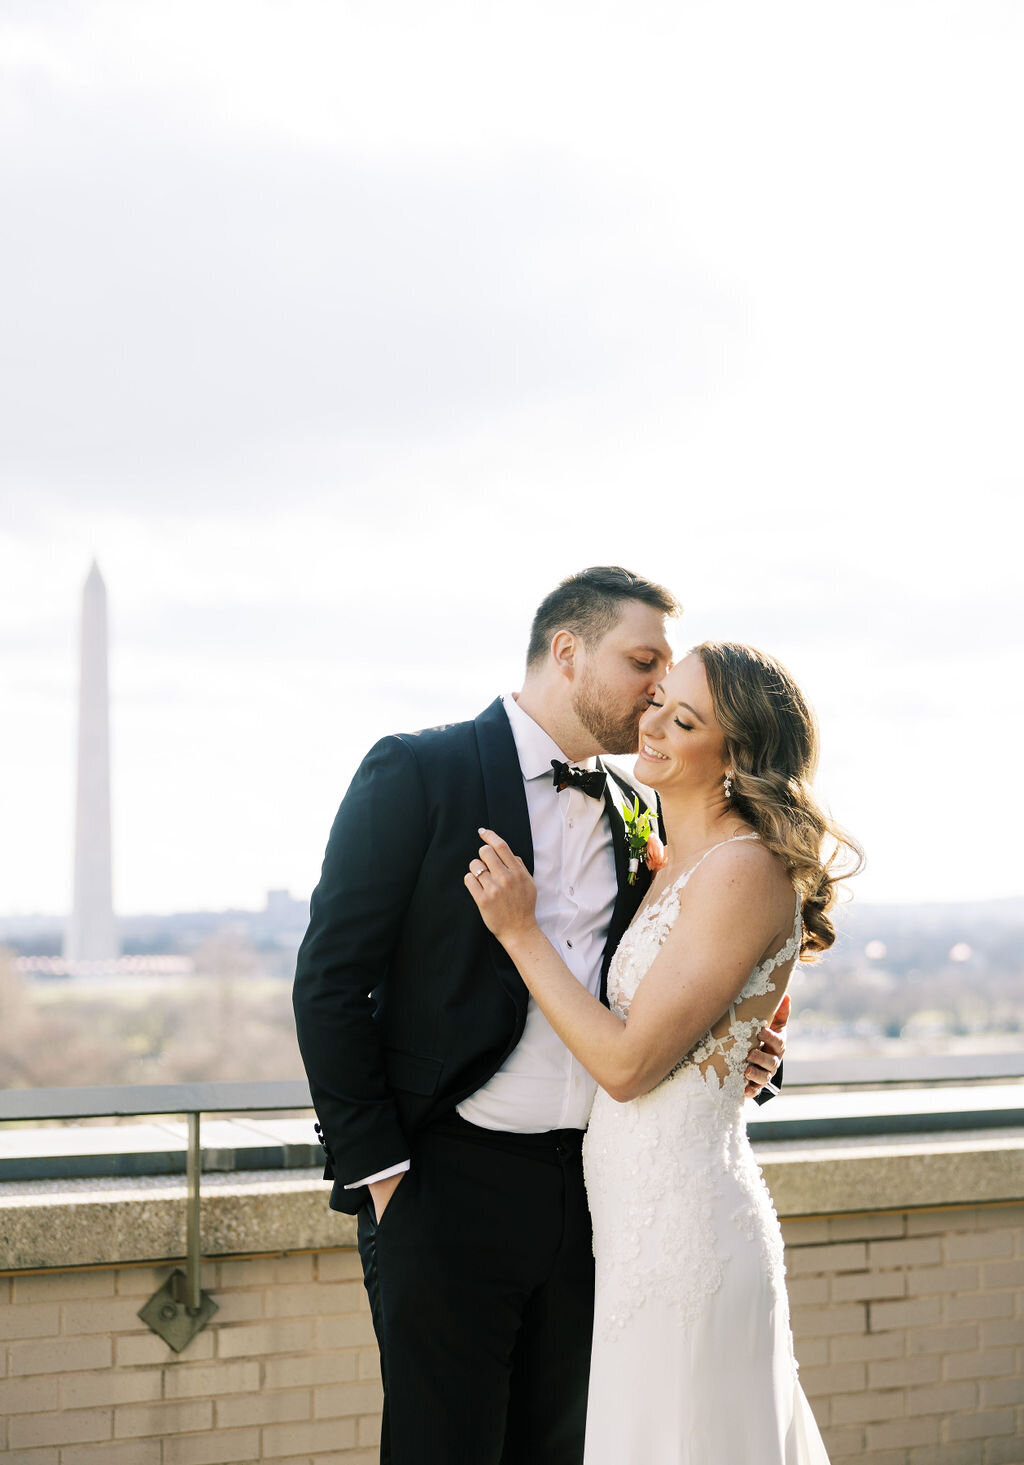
(179, 1309)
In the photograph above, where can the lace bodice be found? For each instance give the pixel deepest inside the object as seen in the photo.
(636, 955)
(673, 1184)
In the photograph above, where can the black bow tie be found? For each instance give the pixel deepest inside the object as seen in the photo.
(588, 783)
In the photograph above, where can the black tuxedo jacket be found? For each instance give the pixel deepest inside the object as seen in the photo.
(405, 1004)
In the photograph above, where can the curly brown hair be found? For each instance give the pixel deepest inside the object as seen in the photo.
(771, 738)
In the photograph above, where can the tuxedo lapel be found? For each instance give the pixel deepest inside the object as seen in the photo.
(629, 896)
(507, 815)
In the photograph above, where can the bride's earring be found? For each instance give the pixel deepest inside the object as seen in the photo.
(727, 785)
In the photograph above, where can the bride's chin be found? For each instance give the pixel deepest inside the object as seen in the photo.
(643, 768)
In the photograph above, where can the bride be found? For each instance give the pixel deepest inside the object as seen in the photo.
(692, 1353)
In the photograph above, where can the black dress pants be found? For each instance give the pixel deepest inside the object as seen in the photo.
(481, 1282)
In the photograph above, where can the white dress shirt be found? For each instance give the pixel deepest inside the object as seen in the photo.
(541, 1086)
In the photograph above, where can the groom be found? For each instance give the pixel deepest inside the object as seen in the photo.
(451, 1114)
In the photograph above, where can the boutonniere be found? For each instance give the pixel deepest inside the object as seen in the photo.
(641, 841)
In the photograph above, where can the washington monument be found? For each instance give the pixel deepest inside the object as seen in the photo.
(91, 933)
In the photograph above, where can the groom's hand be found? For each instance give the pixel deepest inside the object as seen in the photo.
(763, 1061)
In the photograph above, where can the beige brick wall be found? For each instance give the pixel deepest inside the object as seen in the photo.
(286, 1372)
(909, 1329)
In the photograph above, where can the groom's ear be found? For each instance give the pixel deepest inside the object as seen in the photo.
(563, 653)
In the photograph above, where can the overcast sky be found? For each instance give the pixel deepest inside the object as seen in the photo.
(340, 332)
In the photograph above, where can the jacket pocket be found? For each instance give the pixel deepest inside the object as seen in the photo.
(413, 1073)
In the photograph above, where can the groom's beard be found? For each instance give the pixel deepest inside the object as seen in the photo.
(614, 729)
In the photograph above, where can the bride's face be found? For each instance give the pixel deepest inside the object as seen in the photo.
(681, 743)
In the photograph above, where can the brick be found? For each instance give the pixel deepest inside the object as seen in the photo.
(889, 1457)
(240, 1307)
(41, 1320)
(942, 1340)
(63, 1286)
(806, 1291)
(168, 1417)
(60, 1355)
(914, 1251)
(345, 1332)
(845, 1443)
(894, 1373)
(1004, 1452)
(27, 1396)
(979, 1246)
(46, 1455)
(107, 1315)
(986, 1363)
(915, 1313)
(140, 1348)
(902, 1433)
(325, 1434)
(978, 1306)
(981, 1425)
(869, 1345)
(995, 1392)
(269, 1337)
(867, 1227)
(339, 1266)
(944, 1399)
(999, 1215)
(824, 1322)
(1008, 1333)
(368, 1430)
(311, 1369)
(968, 1452)
(135, 1452)
(325, 1299)
(270, 1271)
(266, 1408)
(65, 1427)
(838, 1378)
(931, 1281)
(369, 1359)
(849, 1258)
(213, 1449)
(940, 1223)
(868, 1286)
(208, 1379)
(347, 1399)
(1003, 1274)
(112, 1386)
(868, 1407)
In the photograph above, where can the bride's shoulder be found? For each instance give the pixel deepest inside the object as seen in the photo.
(743, 869)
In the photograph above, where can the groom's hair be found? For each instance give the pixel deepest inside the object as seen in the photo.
(590, 603)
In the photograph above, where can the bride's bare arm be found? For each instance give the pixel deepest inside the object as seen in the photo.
(700, 969)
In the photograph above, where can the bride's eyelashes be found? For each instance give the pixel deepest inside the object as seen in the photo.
(686, 726)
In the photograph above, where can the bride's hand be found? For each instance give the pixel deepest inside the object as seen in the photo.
(503, 889)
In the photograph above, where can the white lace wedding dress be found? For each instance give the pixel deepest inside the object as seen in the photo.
(693, 1356)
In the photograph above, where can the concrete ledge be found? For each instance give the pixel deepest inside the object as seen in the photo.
(68, 1223)
(815, 1178)
(109, 1221)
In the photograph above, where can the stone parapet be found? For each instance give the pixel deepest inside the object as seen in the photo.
(905, 1267)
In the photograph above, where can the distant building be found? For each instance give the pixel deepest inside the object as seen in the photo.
(91, 933)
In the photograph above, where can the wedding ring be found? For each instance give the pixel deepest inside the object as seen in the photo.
(482, 871)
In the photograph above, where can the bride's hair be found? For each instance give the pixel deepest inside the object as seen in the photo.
(771, 738)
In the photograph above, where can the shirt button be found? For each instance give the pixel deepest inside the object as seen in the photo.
(571, 823)
(572, 890)
(568, 943)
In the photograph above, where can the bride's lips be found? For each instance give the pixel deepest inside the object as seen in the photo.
(651, 754)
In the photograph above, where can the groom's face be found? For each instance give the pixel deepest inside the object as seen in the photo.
(617, 677)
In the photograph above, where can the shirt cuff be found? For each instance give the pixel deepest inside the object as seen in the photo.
(398, 1169)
